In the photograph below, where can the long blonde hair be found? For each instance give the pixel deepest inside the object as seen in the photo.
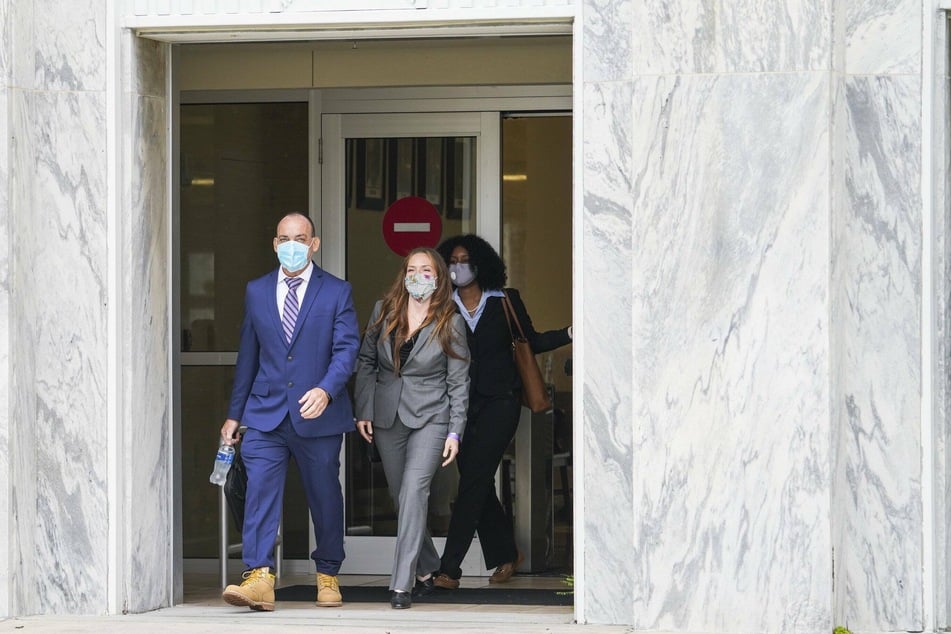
(442, 307)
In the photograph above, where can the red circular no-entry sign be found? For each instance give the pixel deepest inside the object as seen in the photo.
(411, 222)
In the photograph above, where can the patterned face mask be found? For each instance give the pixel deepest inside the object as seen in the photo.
(419, 286)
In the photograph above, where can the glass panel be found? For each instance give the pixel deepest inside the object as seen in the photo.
(381, 171)
(536, 247)
(243, 166)
(205, 394)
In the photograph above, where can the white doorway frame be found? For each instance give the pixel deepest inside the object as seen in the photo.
(449, 111)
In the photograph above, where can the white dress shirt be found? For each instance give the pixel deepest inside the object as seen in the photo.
(283, 289)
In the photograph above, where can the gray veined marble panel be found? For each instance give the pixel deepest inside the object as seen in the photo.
(607, 40)
(59, 276)
(722, 36)
(20, 25)
(876, 386)
(882, 36)
(5, 48)
(146, 351)
(607, 379)
(22, 382)
(941, 211)
(6, 370)
(70, 44)
(144, 69)
(731, 402)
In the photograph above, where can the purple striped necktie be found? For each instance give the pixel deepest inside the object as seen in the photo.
(291, 307)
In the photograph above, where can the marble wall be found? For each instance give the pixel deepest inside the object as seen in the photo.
(144, 328)
(608, 434)
(941, 209)
(58, 437)
(876, 322)
(724, 158)
(58, 265)
(751, 238)
(6, 519)
(607, 362)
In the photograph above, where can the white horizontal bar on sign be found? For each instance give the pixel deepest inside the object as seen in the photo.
(411, 227)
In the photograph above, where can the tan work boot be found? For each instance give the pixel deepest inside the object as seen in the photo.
(328, 591)
(256, 591)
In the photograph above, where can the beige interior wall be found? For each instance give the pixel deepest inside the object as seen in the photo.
(376, 63)
(536, 226)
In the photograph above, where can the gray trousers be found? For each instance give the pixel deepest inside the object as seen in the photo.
(410, 459)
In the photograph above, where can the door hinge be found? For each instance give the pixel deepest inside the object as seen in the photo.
(320, 151)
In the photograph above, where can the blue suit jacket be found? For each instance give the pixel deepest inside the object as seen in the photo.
(272, 374)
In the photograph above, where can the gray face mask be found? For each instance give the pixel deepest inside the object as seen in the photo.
(462, 273)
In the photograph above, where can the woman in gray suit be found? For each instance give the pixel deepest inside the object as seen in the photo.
(412, 391)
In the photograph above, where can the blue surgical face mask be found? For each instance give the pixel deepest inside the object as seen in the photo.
(462, 273)
(419, 286)
(293, 255)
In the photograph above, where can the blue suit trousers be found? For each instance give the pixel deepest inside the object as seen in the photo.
(266, 456)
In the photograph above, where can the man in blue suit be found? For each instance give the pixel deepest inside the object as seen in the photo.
(299, 343)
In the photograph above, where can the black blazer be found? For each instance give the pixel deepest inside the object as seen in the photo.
(492, 369)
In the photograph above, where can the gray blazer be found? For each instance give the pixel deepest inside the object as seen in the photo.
(431, 385)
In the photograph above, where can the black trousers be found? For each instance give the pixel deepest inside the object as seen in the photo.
(490, 427)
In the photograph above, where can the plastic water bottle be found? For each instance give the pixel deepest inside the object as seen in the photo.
(223, 461)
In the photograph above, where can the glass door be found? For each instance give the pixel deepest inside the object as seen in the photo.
(449, 163)
(242, 166)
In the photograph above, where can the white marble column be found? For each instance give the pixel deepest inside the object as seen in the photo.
(5, 368)
(722, 234)
(941, 211)
(876, 323)
(57, 272)
(607, 178)
(145, 418)
(60, 435)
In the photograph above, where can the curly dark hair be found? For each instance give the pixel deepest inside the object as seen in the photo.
(489, 267)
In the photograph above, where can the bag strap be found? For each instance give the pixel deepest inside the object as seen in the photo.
(510, 316)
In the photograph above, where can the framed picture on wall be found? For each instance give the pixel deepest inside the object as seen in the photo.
(371, 174)
(458, 178)
(431, 173)
(401, 172)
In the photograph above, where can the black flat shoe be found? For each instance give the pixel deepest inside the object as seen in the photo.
(400, 600)
(423, 588)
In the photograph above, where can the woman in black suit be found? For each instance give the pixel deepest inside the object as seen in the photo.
(478, 273)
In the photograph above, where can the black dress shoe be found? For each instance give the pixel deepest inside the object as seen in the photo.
(400, 600)
(422, 588)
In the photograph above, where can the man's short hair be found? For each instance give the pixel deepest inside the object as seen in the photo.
(313, 229)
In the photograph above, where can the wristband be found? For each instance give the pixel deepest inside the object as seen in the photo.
(453, 435)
